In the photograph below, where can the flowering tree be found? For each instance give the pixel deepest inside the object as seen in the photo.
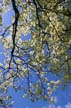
(48, 23)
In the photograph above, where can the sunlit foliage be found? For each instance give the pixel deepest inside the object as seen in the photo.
(29, 61)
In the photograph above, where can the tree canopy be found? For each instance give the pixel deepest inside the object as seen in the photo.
(38, 42)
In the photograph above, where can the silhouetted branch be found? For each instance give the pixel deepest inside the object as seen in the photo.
(15, 24)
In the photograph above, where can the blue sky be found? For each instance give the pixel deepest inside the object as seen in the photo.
(63, 97)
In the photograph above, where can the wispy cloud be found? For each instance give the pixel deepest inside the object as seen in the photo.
(54, 106)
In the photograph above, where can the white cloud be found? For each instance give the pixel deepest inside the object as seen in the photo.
(53, 106)
(68, 105)
(58, 106)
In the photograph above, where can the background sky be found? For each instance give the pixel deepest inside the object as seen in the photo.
(63, 97)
